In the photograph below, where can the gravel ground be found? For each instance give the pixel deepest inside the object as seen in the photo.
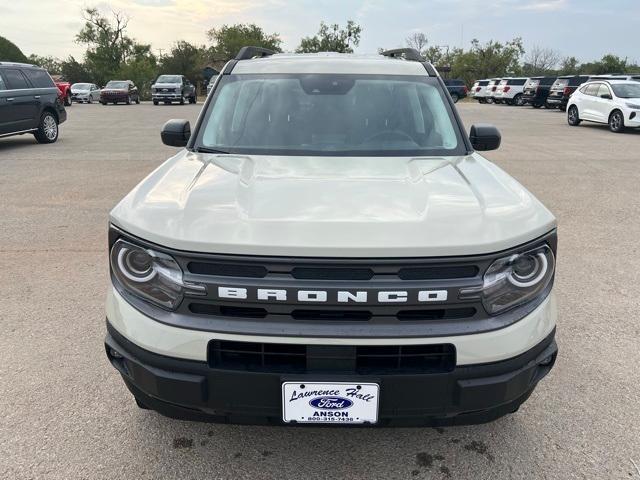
(65, 413)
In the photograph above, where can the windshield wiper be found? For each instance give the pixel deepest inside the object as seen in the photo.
(207, 150)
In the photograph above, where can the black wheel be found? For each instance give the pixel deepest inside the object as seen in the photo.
(155, 102)
(193, 99)
(47, 128)
(517, 100)
(182, 99)
(509, 102)
(128, 102)
(536, 105)
(89, 100)
(549, 107)
(140, 404)
(103, 103)
(616, 122)
(67, 100)
(573, 116)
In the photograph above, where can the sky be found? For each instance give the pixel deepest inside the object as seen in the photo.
(587, 29)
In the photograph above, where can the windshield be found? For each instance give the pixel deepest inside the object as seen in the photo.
(326, 114)
(81, 86)
(169, 79)
(626, 90)
(116, 84)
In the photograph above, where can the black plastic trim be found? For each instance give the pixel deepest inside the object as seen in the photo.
(192, 390)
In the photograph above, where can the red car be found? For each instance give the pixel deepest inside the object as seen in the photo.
(64, 89)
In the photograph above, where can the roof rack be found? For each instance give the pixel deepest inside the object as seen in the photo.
(408, 53)
(246, 53)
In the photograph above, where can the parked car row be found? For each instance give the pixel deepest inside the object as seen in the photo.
(548, 92)
(608, 99)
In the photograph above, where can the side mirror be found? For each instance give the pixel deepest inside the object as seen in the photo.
(176, 133)
(606, 96)
(485, 137)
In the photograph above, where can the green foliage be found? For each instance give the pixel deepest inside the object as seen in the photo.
(9, 52)
(332, 39)
(229, 39)
(141, 68)
(75, 72)
(50, 64)
(185, 59)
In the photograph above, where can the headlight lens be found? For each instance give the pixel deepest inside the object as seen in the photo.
(514, 280)
(150, 275)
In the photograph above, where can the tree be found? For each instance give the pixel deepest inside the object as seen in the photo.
(50, 64)
(540, 61)
(107, 44)
(491, 59)
(229, 39)
(332, 39)
(9, 52)
(186, 59)
(111, 53)
(75, 72)
(569, 66)
(417, 40)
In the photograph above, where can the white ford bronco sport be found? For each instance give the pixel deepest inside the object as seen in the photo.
(329, 248)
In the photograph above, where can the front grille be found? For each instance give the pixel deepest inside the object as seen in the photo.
(245, 275)
(364, 360)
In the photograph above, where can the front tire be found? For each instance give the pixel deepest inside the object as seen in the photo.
(517, 100)
(573, 116)
(155, 102)
(182, 99)
(616, 122)
(536, 105)
(47, 128)
(193, 99)
(128, 102)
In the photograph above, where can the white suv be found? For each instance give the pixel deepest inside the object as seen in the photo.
(509, 91)
(613, 102)
(479, 90)
(329, 247)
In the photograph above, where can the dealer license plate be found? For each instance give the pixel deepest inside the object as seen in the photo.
(348, 403)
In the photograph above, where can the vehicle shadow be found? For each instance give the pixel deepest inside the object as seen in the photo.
(19, 141)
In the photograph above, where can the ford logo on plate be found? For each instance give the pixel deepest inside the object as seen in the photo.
(330, 403)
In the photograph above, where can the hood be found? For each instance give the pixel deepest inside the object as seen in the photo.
(329, 206)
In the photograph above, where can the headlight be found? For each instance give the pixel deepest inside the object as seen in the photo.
(514, 280)
(150, 275)
(634, 106)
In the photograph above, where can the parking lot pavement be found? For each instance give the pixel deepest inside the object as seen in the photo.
(65, 413)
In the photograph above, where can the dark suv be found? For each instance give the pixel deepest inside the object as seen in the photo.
(29, 102)
(119, 91)
(562, 89)
(537, 90)
(457, 89)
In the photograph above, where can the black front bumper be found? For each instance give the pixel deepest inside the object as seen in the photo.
(192, 390)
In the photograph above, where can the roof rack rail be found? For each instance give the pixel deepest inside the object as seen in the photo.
(408, 54)
(246, 53)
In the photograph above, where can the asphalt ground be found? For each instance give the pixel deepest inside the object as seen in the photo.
(65, 413)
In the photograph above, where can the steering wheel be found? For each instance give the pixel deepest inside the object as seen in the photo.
(389, 134)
